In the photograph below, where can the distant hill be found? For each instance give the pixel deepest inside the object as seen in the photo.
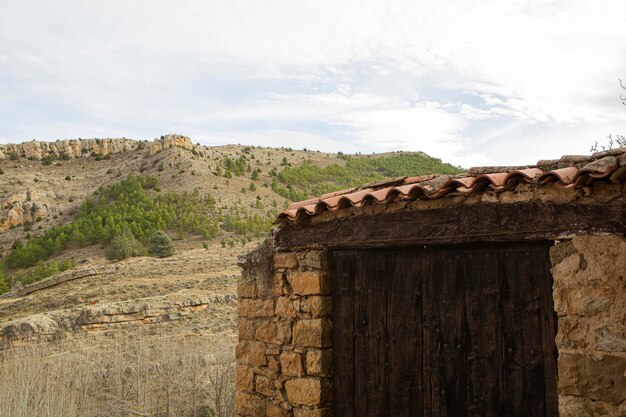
(61, 196)
(76, 218)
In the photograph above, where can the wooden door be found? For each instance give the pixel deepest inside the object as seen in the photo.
(444, 332)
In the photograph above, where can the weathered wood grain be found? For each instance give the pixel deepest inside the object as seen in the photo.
(483, 222)
(444, 331)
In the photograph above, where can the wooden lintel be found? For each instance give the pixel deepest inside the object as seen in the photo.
(483, 222)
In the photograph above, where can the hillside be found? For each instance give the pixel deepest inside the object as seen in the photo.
(65, 204)
(51, 191)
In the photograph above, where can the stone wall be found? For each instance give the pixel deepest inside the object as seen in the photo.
(284, 355)
(590, 301)
(284, 358)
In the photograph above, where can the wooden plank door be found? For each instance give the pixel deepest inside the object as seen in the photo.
(444, 331)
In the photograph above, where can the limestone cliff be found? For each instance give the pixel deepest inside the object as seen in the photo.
(76, 148)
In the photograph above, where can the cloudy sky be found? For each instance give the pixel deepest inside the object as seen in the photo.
(473, 82)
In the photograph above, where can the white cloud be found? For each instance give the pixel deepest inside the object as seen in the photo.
(472, 82)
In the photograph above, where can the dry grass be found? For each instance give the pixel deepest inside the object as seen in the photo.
(182, 377)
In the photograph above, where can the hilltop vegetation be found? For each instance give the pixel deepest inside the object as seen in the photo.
(126, 213)
(307, 180)
(230, 194)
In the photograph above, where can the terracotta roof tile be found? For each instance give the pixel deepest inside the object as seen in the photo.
(299, 204)
(562, 175)
(336, 193)
(570, 171)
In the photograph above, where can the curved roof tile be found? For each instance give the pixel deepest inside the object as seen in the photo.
(579, 171)
(563, 175)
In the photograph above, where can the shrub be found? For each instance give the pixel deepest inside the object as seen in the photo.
(124, 246)
(160, 245)
(43, 270)
(68, 178)
(4, 282)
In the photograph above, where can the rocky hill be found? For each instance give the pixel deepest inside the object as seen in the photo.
(43, 186)
(81, 148)
(63, 203)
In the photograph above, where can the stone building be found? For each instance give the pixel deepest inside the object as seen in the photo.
(497, 292)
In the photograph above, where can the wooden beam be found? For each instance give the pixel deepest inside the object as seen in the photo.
(483, 222)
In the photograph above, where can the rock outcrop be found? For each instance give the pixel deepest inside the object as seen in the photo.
(23, 208)
(77, 148)
(73, 148)
(170, 141)
(91, 320)
(22, 212)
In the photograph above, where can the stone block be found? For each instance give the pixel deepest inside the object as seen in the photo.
(285, 307)
(276, 411)
(246, 328)
(312, 333)
(279, 284)
(255, 308)
(319, 362)
(309, 282)
(597, 377)
(264, 385)
(597, 251)
(272, 350)
(317, 306)
(249, 352)
(266, 331)
(285, 260)
(273, 365)
(560, 251)
(587, 301)
(283, 332)
(246, 288)
(291, 363)
(571, 406)
(611, 338)
(308, 391)
(312, 259)
(312, 412)
(270, 286)
(249, 405)
(244, 378)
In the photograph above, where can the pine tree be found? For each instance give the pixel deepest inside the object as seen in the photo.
(124, 246)
(160, 245)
